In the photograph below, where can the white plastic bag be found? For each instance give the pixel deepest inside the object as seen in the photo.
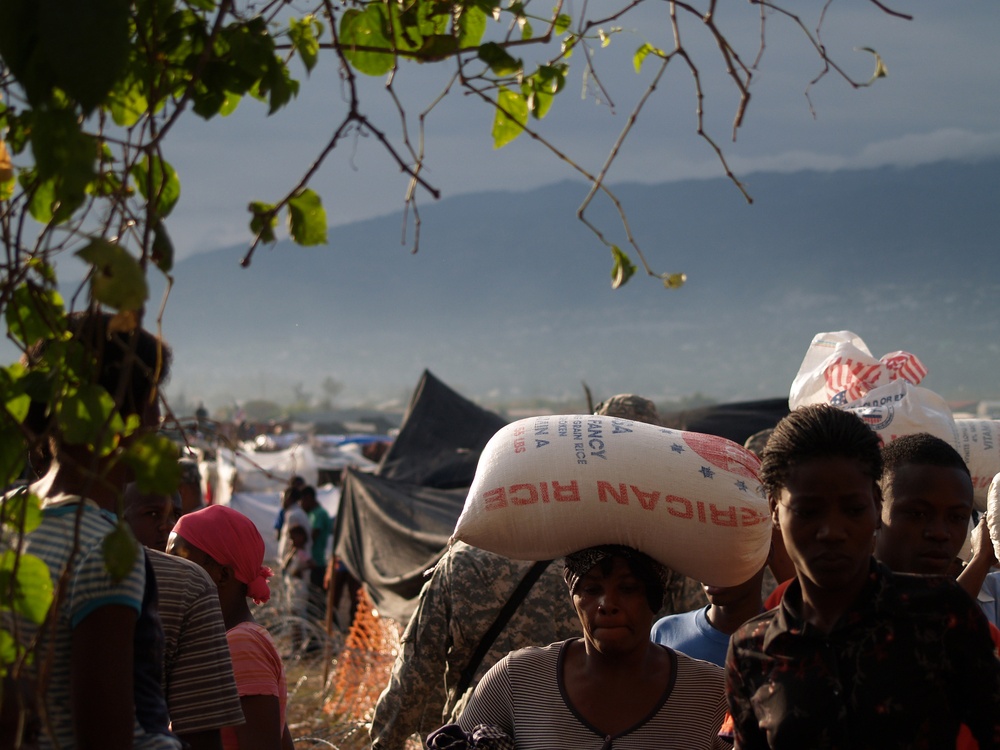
(838, 368)
(899, 409)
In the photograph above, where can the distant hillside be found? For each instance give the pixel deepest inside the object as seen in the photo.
(510, 294)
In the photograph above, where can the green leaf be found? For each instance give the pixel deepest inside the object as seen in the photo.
(155, 461)
(42, 205)
(673, 280)
(30, 585)
(117, 280)
(127, 103)
(499, 60)
(9, 650)
(157, 182)
(511, 117)
(264, 221)
(643, 52)
(471, 26)
(540, 88)
(87, 44)
(120, 551)
(307, 218)
(230, 102)
(562, 23)
(87, 416)
(304, 34)
(21, 511)
(278, 85)
(526, 30)
(34, 313)
(64, 154)
(622, 267)
(20, 21)
(367, 28)
(12, 453)
(163, 249)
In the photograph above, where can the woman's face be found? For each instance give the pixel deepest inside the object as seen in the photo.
(613, 609)
(179, 546)
(828, 511)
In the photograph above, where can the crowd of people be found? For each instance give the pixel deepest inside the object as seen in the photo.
(874, 637)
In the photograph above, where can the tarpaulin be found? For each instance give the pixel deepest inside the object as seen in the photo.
(441, 438)
(389, 533)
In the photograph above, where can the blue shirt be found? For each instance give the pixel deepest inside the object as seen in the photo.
(692, 634)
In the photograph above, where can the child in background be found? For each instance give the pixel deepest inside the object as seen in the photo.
(296, 567)
(228, 546)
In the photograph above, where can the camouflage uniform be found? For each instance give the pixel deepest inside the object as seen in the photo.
(457, 606)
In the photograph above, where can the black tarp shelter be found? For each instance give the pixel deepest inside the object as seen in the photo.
(393, 526)
(736, 421)
(389, 533)
(440, 439)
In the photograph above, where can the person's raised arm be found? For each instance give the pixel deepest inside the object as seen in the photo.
(983, 559)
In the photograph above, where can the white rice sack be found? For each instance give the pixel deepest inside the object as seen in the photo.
(547, 486)
(898, 409)
(978, 444)
(993, 514)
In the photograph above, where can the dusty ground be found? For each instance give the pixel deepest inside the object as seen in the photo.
(333, 680)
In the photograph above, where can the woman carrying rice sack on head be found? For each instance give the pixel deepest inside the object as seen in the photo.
(228, 546)
(611, 689)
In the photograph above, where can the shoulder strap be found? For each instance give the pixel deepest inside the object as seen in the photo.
(533, 574)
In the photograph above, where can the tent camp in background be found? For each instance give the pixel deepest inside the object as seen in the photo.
(389, 533)
(441, 437)
(394, 526)
(252, 481)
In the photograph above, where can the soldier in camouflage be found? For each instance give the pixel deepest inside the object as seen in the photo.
(457, 606)
(460, 603)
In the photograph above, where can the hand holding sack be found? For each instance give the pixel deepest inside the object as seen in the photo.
(547, 486)
(993, 514)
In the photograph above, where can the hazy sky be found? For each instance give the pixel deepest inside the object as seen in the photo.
(940, 99)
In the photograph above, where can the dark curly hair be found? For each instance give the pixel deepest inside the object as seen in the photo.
(129, 365)
(922, 449)
(818, 431)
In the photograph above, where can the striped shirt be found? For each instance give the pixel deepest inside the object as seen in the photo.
(258, 670)
(524, 695)
(89, 588)
(197, 670)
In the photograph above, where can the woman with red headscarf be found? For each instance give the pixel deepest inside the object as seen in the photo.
(228, 546)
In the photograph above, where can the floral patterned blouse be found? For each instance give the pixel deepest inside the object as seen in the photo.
(901, 669)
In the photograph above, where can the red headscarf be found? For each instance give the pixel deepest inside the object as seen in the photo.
(231, 539)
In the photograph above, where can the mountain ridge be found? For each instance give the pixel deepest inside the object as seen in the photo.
(510, 295)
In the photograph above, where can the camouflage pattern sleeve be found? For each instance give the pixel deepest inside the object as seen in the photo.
(481, 584)
(414, 699)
